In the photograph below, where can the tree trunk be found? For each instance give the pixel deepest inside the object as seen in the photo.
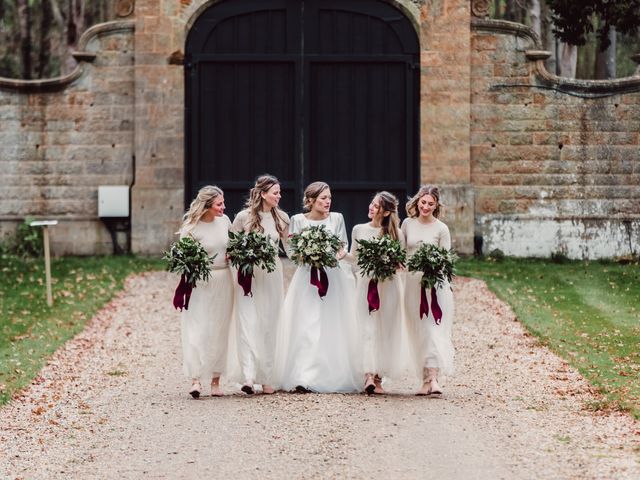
(535, 14)
(567, 59)
(56, 13)
(548, 39)
(24, 15)
(75, 27)
(510, 10)
(497, 7)
(606, 60)
(45, 57)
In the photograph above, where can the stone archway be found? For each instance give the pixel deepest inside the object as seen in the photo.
(304, 90)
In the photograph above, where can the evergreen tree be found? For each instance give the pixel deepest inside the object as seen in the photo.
(573, 21)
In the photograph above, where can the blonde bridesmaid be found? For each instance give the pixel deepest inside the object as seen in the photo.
(432, 347)
(205, 324)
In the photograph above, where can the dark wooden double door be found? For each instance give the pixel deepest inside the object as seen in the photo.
(305, 90)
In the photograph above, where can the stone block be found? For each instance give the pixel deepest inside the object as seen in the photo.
(156, 214)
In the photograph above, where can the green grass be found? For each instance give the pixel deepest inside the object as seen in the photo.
(30, 331)
(587, 312)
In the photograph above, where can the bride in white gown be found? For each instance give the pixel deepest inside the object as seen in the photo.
(318, 348)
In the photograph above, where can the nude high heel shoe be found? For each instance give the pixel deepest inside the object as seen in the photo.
(432, 375)
(216, 391)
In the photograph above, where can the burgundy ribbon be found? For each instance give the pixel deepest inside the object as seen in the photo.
(373, 297)
(319, 280)
(244, 280)
(435, 307)
(424, 304)
(182, 294)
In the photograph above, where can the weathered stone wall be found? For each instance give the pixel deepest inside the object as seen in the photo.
(61, 139)
(158, 195)
(555, 164)
(445, 112)
(532, 167)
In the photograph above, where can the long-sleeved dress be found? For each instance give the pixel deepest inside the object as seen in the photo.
(205, 325)
(318, 345)
(258, 315)
(382, 332)
(432, 346)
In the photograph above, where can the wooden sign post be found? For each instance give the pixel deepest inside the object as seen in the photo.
(45, 224)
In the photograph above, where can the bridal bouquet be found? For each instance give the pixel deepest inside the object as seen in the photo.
(317, 247)
(437, 266)
(247, 250)
(379, 258)
(188, 258)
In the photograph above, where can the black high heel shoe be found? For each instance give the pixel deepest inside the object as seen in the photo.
(195, 390)
(248, 389)
(369, 385)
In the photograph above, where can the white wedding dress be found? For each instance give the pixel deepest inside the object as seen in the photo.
(318, 344)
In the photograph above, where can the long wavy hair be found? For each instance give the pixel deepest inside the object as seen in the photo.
(254, 205)
(203, 201)
(388, 203)
(311, 193)
(412, 204)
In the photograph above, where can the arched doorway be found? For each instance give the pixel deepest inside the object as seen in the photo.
(306, 90)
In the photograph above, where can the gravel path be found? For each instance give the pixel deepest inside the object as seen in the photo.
(112, 404)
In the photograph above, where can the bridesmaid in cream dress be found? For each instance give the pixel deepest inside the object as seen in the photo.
(205, 324)
(432, 348)
(318, 348)
(257, 315)
(381, 330)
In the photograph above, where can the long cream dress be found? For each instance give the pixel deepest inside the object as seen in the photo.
(318, 346)
(382, 332)
(432, 346)
(258, 315)
(205, 325)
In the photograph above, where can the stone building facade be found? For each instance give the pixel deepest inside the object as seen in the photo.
(528, 162)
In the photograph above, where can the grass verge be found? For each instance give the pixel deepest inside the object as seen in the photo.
(586, 312)
(30, 331)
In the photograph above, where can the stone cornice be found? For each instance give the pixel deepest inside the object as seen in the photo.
(618, 217)
(82, 55)
(552, 81)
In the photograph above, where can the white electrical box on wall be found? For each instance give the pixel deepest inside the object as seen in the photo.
(113, 201)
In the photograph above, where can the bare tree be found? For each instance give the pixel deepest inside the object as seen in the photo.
(24, 16)
(548, 38)
(44, 68)
(567, 59)
(606, 60)
(535, 15)
(75, 27)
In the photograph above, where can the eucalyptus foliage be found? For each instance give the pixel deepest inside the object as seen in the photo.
(435, 263)
(380, 257)
(189, 258)
(247, 250)
(315, 246)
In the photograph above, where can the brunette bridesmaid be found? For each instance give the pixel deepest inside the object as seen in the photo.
(381, 330)
(257, 315)
(318, 348)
